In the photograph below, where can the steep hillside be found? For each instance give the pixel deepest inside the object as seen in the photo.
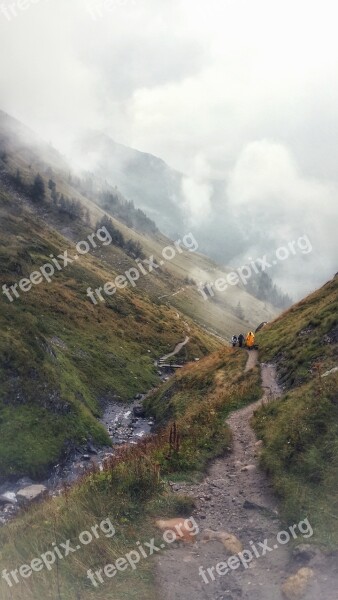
(65, 348)
(62, 357)
(226, 233)
(132, 490)
(142, 177)
(300, 431)
(178, 279)
(135, 487)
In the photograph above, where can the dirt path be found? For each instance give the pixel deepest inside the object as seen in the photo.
(239, 502)
(252, 360)
(177, 349)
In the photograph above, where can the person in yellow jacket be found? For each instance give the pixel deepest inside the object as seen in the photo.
(250, 340)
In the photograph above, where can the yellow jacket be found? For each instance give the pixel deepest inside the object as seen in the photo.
(250, 339)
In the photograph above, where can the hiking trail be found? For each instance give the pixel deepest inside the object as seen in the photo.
(177, 349)
(234, 497)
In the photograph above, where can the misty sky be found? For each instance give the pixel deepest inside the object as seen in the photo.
(245, 91)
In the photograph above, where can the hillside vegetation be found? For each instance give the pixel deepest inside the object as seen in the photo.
(62, 357)
(198, 400)
(176, 282)
(133, 488)
(300, 431)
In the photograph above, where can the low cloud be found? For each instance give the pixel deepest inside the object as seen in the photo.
(250, 89)
(275, 204)
(197, 192)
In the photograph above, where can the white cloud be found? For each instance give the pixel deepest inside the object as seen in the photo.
(197, 196)
(275, 204)
(184, 79)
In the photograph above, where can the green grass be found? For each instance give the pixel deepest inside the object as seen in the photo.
(62, 358)
(298, 340)
(300, 431)
(132, 490)
(197, 403)
(102, 352)
(96, 499)
(27, 448)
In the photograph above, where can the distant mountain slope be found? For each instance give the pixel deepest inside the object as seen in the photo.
(176, 283)
(300, 431)
(169, 198)
(16, 138)
(141, 177)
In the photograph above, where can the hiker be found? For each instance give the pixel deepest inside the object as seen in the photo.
(241, 340)
(250, 340)
(234, 341)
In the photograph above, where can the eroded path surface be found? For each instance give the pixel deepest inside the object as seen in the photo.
(235, 497)
(176, 350)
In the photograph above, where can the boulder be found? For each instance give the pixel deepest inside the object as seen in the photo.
(230, 542)
(183, 530)
(304, 552)
(296, 586)
(139, 411)
(31, 494)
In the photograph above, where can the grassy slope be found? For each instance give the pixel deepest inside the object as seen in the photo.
(30, 155)
(198, 400)
(61, 356)
(300, 431)
(129, 490)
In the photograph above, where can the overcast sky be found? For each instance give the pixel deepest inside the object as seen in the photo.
(241, 90)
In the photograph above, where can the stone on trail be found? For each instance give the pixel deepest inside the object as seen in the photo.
(296, 586)
(248, 505)
(219, 483)
(181, 529)
(230, 542)
(304, 552)
(31, 493)
(248, 468)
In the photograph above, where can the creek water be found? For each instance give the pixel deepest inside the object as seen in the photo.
(123, 426)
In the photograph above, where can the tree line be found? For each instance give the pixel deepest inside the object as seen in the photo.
(125, 211)
(73, 209)
(262, 287)
(132, 248)
(37, 192)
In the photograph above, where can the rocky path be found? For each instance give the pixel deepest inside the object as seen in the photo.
(235, 497)
(176, 350)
